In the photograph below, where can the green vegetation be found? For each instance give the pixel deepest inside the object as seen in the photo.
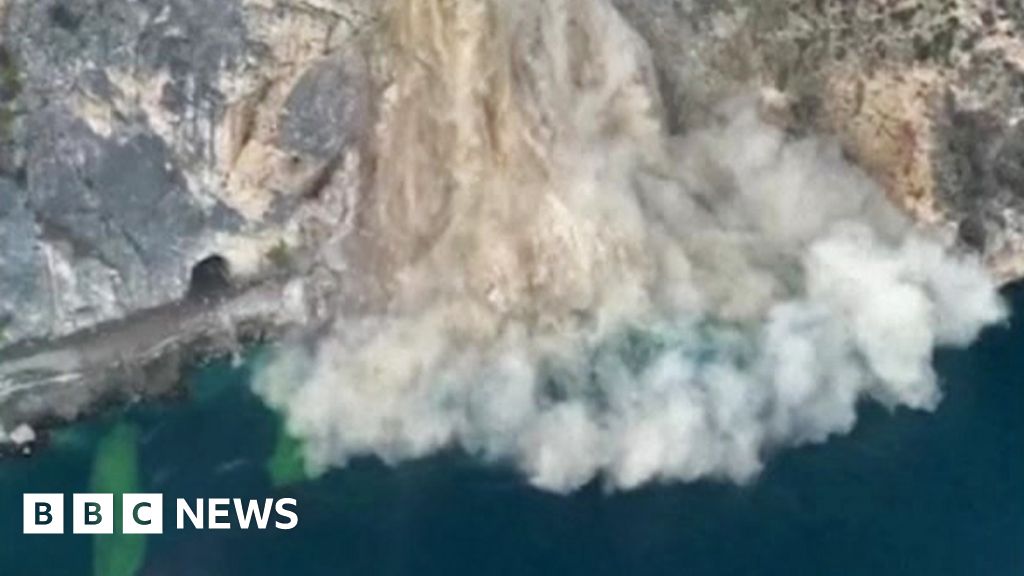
(116, 470)
(10, 77)
(10, 88)
(280, 255)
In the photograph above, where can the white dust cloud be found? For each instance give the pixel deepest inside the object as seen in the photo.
(545, 278)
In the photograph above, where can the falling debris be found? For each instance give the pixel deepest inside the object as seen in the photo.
(545, 276)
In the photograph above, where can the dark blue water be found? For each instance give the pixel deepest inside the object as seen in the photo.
(906, 494)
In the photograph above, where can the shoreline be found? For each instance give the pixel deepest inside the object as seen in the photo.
(47, 384)
(50, 384)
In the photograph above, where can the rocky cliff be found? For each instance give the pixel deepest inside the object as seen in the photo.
(142, 141)
(926, 95)
(138, 139)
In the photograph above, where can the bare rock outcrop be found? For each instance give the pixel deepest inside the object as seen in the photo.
(138, 139)
(141, 139)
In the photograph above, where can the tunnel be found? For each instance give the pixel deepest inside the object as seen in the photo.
(211, 278)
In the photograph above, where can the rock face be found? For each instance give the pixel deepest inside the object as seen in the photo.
(925, 94)
(138, 139)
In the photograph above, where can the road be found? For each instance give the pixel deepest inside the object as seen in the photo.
(50, 382)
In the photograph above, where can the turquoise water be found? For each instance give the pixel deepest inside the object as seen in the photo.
(906, 494)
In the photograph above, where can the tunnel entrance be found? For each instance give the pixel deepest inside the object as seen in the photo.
(211, 278)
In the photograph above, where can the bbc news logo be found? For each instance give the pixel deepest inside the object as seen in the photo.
(144, 514)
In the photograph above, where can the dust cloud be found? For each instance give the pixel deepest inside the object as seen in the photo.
(548, 279)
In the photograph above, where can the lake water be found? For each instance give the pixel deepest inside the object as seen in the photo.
(906, 494)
